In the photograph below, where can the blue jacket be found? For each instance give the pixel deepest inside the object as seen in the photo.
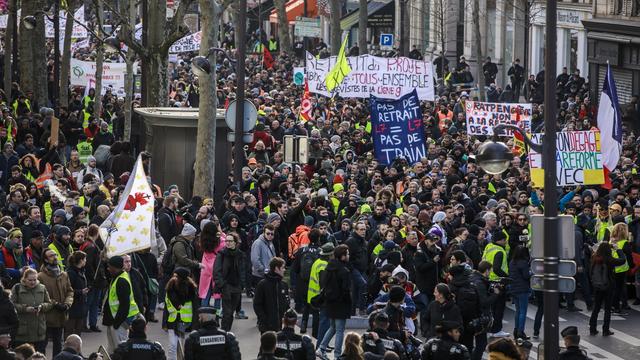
(409, 307)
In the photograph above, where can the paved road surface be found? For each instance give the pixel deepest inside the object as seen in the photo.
(624, 345)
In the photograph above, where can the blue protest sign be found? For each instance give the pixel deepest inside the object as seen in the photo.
(397, 129)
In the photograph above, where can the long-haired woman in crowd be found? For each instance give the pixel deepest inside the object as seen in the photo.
(180, 294)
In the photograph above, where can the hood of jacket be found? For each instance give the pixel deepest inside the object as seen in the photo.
(302, 229)
(461, 275)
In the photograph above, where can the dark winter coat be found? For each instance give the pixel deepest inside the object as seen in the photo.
(78, 283)
(426, 269)
(270, 302)
(485, 297)
(227, 271)
(437, 312)
(8, 315)
(337, 276)
(68, 354)
(520, 274)
(167, 224)
(358, 258)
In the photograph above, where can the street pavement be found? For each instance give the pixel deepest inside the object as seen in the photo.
(623, 345)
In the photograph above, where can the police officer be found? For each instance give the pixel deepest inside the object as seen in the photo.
(572, 342)
(138, 347)
(445, 346)
(291, 345)
(377, 340)
(209, 342)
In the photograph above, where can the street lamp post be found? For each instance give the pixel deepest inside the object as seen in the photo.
(238, 149)
(494, 158)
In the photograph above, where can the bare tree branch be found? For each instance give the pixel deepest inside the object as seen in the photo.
(126, 35)
(175, 28)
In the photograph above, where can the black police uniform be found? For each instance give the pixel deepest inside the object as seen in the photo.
(209, 342)
(573, 353)
(388, 344)
(139, 349)
(444, 348)
(293, 346)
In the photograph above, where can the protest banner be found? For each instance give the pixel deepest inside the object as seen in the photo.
(187, 43)
(397, 129)
(482, 117)
(578, 159)
(79, 32)
(386, 78)
(84, 72)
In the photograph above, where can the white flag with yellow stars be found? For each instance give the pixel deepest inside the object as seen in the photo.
(130, 227)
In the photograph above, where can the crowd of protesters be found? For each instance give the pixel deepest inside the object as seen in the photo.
(429, 253)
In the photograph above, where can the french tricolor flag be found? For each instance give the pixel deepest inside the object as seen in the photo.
(610, 125)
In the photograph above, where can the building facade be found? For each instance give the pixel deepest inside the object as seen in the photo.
(613, 36)
(571, 35)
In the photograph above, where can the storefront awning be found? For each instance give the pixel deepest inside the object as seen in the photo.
(373, 6)
(295, 8)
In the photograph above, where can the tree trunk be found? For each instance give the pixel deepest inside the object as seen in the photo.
(336, 31)
(283, 27)
(33, 67)
(362, 28)
(157, 81)
(128, 86)
(206, 139)
(478, 35)
(65, 64)
(8, 49)
(97, 105)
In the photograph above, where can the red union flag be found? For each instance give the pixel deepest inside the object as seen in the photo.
(306, 105)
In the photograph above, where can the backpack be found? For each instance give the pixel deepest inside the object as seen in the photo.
(600, 277)
(468, 301)
(308, 257)
(168, 263)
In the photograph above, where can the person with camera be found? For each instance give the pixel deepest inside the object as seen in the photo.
(290, 345)
(60, 292)
(496, 255)
(377, 340)
(487, 295)
(466, 295)
(445, 345)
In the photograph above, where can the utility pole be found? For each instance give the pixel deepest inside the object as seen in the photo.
(56, 56)
(551, 221)
(238, 148)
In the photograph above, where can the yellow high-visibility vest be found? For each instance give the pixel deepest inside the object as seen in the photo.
(624, 267)
(314, 278)
(114, 303)
(48, 211)
(55, 249)
(186, 311)
(273, 45)
(489, 255)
